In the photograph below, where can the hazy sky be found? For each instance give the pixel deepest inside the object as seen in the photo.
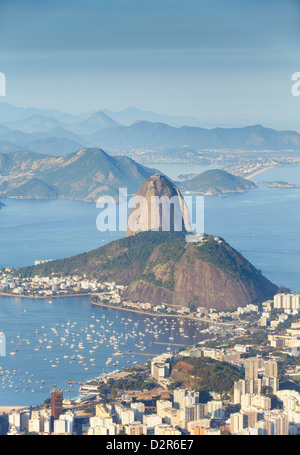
(226, 62)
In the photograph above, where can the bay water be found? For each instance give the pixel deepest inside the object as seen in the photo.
(263, 224)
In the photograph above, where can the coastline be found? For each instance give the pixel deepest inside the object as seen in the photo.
(3, 294)
(216, 193)
(259, 171)
(142, 312)
(268, 167)
(192, 318)
(147, 313)
(7, 409)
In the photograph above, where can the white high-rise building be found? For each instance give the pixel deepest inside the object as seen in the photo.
(214, 410)
(278, 422)
(258, 401)
(151, 420)
(64, 425)
(242, 387)
(68, 418)
(271, 369)
(179, 398)
(296, 302)
(139, 410)
(278, 301)
(237, 422)
(288, 301)
(251, 368)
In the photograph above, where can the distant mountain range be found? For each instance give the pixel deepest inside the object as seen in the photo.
(55, 133)
(34, 124)
(131, 115)
(10, 113)
(146, 134)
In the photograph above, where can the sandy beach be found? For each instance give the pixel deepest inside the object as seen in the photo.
(259, 171)
(7, 409)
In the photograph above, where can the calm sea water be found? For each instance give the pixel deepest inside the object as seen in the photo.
(81, 338)
(263, 224)
(32, 230)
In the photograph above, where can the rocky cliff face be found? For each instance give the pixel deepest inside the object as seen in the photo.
(158, 205)
(200, 278)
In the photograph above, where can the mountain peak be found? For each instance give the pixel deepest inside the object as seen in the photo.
(158, 205)
(95, 122)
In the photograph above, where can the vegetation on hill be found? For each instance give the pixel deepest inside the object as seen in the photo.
(216, 181)
(204, 374)
(129, 254)
(33, 189)
(225, 258)
(83, 175)
(137, 381)
(161, 267)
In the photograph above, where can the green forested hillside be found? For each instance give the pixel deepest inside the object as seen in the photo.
(84, 175)
(216, 181)
(204, 374)
(161, 267)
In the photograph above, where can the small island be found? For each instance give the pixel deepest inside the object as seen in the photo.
(216, 182)
(279, 184)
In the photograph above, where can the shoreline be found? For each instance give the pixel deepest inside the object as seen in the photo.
(259, 171)
(266, 168)
(7, 409)
(140, 312)
(3, 294)
(191, 318)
